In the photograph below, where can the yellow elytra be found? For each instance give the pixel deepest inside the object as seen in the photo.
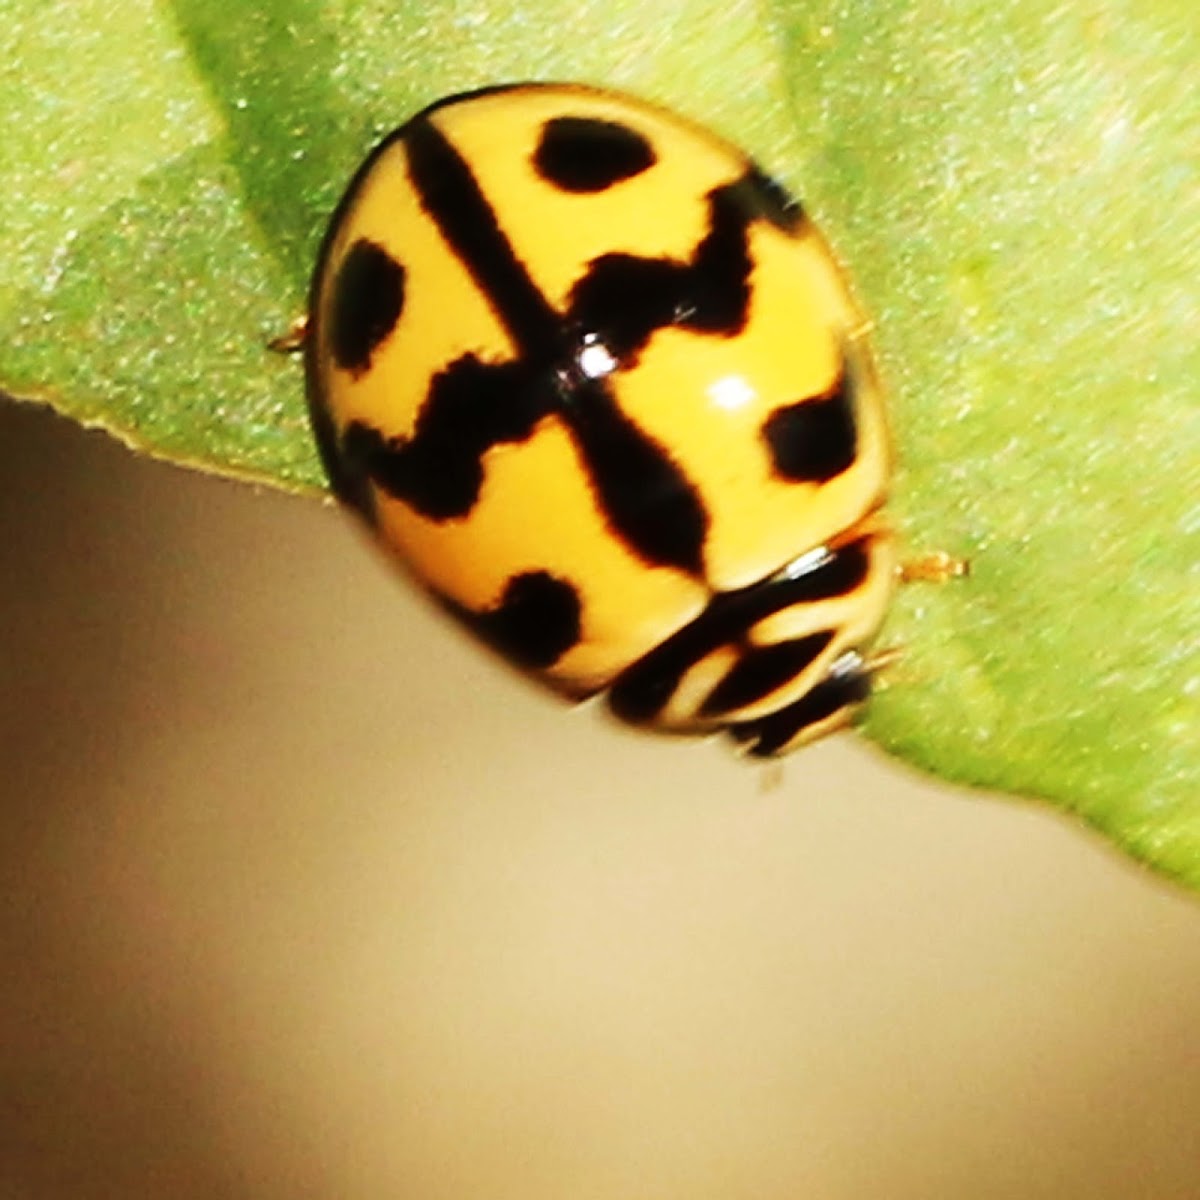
(598, 383)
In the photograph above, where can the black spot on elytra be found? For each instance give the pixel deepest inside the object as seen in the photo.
(762, 670)
(768, 735)
(641, 691)
(536, 622)
(368, 298)
(585, 154)
(814, 440)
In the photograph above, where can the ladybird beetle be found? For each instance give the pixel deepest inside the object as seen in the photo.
(597, 382)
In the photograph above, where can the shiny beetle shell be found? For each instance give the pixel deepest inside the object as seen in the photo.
(598, 383)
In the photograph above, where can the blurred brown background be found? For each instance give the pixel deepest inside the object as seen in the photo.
(302, 897)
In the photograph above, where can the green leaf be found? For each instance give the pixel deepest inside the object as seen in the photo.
(1015, 188)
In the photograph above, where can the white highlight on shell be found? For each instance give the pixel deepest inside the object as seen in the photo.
(595, 360)
(731, 392)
